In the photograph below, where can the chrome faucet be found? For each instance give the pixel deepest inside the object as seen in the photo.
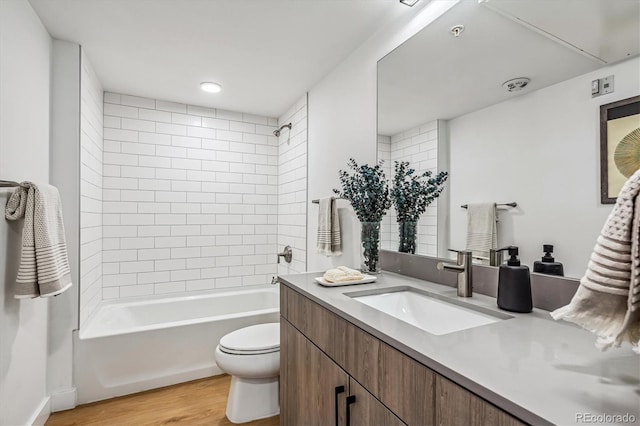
(463, 268)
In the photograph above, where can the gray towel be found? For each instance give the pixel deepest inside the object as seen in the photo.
(329, 239)
(608, 299)
(482, 233)
(44, 267)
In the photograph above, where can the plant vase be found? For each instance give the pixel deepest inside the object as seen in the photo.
(407, 230)
(370, 238)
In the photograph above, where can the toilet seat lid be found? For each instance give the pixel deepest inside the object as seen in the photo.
(256, 338)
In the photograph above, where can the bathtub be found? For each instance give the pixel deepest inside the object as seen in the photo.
(133, 346)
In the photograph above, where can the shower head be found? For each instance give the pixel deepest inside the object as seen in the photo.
(277, 132)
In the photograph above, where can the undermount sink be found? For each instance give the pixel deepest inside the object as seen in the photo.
(431, 312)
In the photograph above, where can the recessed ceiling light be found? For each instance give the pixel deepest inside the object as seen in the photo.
(409, 2)
(207, 86)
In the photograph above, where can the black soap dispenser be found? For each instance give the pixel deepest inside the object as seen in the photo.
(548, 264)
(514, 284)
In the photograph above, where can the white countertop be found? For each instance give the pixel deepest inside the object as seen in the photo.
(537, 369)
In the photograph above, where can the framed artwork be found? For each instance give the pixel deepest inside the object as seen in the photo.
(619, 146)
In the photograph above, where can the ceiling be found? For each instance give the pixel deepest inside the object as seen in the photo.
(265, 53)
(435, 75)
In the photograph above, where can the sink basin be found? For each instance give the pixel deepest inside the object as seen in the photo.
(431, 312)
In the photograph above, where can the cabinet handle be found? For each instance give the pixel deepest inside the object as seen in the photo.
(351, 399)
(339, 390)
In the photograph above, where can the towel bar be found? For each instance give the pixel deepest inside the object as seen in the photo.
(514, 204)
(8, 184)
(318, 201)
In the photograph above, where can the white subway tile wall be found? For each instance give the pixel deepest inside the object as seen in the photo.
(292, 188)
(386, 226)
(418, 146)
(91, 204)
(190, 197)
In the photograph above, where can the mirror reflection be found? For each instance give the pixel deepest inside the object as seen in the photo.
(442, 106)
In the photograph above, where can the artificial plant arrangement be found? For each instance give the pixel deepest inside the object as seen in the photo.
(367, 190)
(411, 195)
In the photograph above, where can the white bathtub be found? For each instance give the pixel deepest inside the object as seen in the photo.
(128, 347)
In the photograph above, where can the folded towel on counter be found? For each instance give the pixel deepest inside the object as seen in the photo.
(482, 233)
(608, 299)
(329, 239)
(44, 267)
(342, 274)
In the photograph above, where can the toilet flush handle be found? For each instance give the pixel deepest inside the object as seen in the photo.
(287, 253)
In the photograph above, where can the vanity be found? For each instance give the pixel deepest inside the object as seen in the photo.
(345, 362)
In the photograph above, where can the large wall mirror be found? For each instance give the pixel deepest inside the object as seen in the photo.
(442, 106)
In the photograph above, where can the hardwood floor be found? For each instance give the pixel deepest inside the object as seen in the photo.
(201, 402)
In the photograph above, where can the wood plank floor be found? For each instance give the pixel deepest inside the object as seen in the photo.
(201, 402)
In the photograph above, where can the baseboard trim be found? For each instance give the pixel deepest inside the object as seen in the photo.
(41, 414)
(64, 400)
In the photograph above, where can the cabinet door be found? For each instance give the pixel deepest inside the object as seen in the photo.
(457, 406)
(308, 382)
(367, 410)
(401, 383)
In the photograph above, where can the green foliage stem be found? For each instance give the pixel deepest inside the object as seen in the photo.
(412, 193)
(367, 190)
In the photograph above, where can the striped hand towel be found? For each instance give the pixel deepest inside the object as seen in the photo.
(44, 267)
(608, 299)
(482, 233)
(329, 239)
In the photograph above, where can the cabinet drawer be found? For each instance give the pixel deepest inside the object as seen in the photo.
(457, 406)
(401, 383)
(324, 328)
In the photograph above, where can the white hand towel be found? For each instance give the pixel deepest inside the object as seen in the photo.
(608, 299)
(44, 267)
(329, 239)
(482, 233)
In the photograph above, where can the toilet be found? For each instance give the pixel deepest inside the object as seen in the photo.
(251, 355)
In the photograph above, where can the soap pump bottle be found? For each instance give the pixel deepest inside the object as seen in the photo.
(514, 284)
(548, 265)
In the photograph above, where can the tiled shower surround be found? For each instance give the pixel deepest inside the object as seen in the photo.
(190, 198)
(418, 146)
(292, 188)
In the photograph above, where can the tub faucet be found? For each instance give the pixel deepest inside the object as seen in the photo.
(287, 254)
(463, 267)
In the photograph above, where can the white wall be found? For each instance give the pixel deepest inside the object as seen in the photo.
(190, 198)
(65, 175)
(292, 188)
(342, 123)
(25, 63)
(540, 150)
(91, 154)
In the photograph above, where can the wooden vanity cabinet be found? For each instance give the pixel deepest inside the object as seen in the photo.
(314, 390)
(457, 406)
(309, 382)
(320, 352)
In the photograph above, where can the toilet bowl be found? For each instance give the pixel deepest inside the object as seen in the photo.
(251, 356)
